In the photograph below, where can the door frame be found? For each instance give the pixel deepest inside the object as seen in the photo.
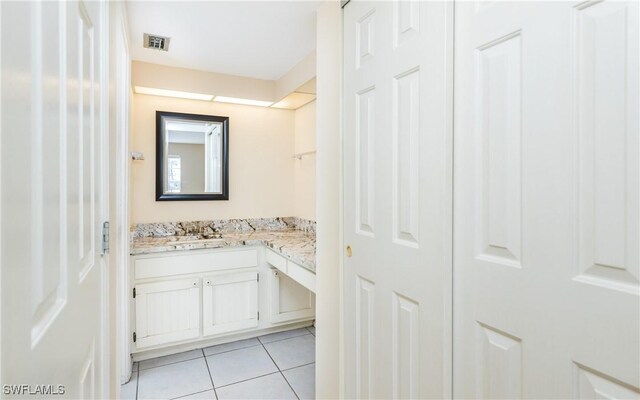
(329, 204)
(119, 173)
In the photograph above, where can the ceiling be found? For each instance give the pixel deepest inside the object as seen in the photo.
(256, 39)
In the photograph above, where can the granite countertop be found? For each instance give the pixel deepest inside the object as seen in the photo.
(283, 236)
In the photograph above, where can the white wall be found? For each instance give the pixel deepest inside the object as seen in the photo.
(329, 238)
(261, 167)
(304, 172)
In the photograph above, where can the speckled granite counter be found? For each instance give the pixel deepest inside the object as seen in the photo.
(293, 238)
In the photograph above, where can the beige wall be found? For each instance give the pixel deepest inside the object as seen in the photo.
(300, 74)
(191, 80)
(304, 172)
(261, 167)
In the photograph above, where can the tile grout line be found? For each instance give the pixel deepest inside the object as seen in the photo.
(229, 351)
(171, 363)
(277, 366)
(213, 385)
(137, 380)
(248, 379)
(260, 343)
(222, 352)
(190, 394)
(298, 366)
(290, 337)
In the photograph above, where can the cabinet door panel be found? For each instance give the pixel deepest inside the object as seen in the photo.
(288, 299)
(230, 302)
(167, 312)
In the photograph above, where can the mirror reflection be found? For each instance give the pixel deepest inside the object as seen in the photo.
(193, 160)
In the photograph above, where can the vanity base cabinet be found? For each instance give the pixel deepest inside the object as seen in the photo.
(197, 298)
(289, 301)
(167, 312)
(229, 302)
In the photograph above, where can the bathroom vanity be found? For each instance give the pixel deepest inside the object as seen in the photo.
(189, 290)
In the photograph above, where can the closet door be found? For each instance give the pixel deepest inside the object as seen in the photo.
(546, 200)
(397, 198)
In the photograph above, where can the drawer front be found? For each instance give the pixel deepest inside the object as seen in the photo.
(169, 265)
(276, 260)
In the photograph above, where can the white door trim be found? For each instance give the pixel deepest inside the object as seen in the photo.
(104, 183)
(120, 171)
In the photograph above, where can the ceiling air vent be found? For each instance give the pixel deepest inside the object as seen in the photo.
(156, 42)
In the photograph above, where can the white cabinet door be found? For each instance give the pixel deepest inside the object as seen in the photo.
(167, 312)
(230, 302)
(546, 200)
(288, 299)
(397, 198)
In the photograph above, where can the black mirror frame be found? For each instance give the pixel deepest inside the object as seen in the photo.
(160, 164)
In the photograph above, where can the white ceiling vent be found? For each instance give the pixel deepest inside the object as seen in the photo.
(156, 42)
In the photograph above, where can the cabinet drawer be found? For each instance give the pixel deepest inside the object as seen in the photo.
(179, 264)
(276, 260)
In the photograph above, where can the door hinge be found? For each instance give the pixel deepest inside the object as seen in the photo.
(134, 293)
(105, 237)
(258, 315)
(134, 337)
(258, 277)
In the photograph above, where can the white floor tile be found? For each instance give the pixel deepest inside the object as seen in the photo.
(128, 390)
(239, 365)
(240, 344)
(303, 381)
(267, 387)
(312, 329)
(208, 395)
(170, 359)
(174, 380)
(283, 335)
(293, 352)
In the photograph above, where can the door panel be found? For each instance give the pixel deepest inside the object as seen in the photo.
(397, 198)
(546, 200)
(230, 302)
(53, 127)
(167, 311)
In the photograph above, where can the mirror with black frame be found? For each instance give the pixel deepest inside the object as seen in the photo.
(192, 157)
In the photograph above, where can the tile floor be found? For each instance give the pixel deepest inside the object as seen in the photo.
(276, 366)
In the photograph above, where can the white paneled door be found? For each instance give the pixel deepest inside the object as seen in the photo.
(546, 212)
(54, 124)
(397, 198)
